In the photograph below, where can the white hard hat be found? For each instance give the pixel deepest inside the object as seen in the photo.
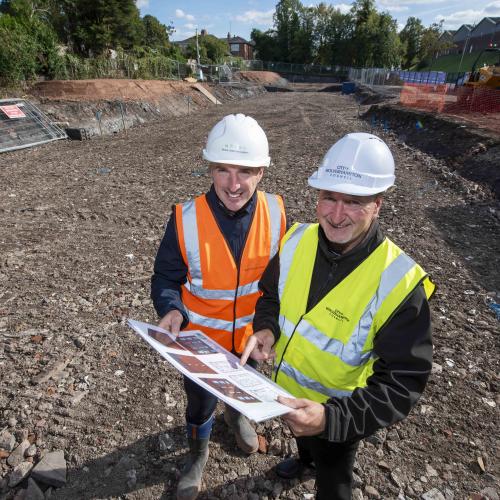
(238, 140)
(359, 164)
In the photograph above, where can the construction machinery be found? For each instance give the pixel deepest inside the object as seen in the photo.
(486, 76)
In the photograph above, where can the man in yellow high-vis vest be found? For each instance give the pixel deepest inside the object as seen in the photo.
(345, 314)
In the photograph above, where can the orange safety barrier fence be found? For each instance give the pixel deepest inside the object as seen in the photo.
(423, 96)
(446, 98)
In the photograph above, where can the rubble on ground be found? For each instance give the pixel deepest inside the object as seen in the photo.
(89, 411)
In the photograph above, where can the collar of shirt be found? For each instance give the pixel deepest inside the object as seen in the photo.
(371, 241)
(217, 206)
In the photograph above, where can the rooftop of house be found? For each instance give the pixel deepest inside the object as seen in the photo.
(204, 32)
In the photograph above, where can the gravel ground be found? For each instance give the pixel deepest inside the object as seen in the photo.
(81, 222)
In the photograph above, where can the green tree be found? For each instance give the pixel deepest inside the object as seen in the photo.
(18, 51)
(411, 38)
(388, 50)
(266, 48)
(333, 34)
(431, 45)
(287, 22)
(155, 34)
(375, 41)
(63, 15)
(28, 48)
(106, 24)
(212, 50)
(302, 43)
(365, 27)
(26, 10)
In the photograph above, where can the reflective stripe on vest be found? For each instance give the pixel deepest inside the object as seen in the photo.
(218, 324)
(312, 384)
(318, 363)
(199, 291)
(289, 245)
(352, 353)
(275, 217)
(190, 226)
(220, 293)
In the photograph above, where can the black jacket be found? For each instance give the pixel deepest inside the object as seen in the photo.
(403, 346)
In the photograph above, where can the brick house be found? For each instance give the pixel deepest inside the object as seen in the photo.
(239, 47)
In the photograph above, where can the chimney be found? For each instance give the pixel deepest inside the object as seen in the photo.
(228, 36)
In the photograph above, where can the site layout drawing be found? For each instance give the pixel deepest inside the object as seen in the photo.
(216, 370)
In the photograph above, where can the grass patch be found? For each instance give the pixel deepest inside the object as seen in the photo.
(451, 63)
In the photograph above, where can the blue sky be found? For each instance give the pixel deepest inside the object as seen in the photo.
(240, 16)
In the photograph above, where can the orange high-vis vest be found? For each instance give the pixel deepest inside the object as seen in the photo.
(220, 294)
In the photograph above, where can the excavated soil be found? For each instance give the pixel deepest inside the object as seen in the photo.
(100, 107)
(81, 223)
(262, 77)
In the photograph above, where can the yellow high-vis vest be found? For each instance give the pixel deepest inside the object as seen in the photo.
(328, 351)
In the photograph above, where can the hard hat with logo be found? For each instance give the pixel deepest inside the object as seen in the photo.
(359, 164)
(238, 140)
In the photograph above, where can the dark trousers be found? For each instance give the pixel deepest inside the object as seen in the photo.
(333, 463)
(201, 403)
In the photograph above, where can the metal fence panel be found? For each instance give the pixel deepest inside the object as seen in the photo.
(28, 128)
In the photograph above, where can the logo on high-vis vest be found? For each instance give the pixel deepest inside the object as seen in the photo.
(338, 315)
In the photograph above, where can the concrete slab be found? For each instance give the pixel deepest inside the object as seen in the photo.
(51, 469)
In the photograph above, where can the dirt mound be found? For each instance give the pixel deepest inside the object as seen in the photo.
(110, 89)
(262, 77)
(100, 107)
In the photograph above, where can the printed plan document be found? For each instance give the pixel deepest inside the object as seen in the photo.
(216, 370)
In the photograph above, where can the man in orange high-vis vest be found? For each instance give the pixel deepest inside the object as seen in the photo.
(208, 266)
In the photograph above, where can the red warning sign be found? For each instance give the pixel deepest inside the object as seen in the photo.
(12, 111)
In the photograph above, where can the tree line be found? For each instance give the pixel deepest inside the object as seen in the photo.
(40, 37)
(362, 37)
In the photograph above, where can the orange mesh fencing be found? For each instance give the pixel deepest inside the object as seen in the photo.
(476, 105)
(423, 96)
(447, 98)
(470, 99)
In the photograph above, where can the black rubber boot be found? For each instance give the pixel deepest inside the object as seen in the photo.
(189, 485)
(190, 481)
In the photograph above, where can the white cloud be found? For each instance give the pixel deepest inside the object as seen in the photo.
(396, 8)
(469, 16)
(142, 3)
(343, 7)
(256, 17)
(492, 9)
(399, 3)
(190, 26)
(180, 14)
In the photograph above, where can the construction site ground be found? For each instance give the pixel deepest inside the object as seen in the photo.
(81, 224)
